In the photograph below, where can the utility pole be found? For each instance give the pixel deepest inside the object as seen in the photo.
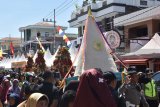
(54, 31)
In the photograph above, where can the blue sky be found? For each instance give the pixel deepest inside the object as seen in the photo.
(20, 13)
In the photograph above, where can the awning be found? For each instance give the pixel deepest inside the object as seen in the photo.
(133, 61)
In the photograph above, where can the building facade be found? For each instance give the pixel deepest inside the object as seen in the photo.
(139, 28)
(105, 11)
(5, 44)
(45, 31)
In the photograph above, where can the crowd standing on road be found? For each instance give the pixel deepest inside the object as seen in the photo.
(93, 89)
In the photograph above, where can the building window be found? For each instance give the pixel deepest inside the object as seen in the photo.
(80, 31)
(142, 2)
(38, 34)
(28, 32)
(109, 24)
(101, 27)
(89, 7)
(142, 32)
(4, 46)
(82, 11)
(46, 34)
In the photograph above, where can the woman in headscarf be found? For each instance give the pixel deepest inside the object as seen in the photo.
(93, 91)
(15, 87)
(72, 85)
(6, 85)
(27, 92)
(67, 99)
(13, 100)
(37, 100)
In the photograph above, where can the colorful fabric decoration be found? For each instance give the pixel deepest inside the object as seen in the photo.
(65, 38)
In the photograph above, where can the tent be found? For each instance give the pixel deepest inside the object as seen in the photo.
(73, 51)
(150, 50)
(23, 58)
(54, 56)
(47, 57)
(8, 65)
(94, 52)
(35, 56)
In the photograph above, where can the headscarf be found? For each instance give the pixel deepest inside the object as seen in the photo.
(93, 91)
(67, 97)
(15, 87)
(15, 82)
(73, 85)
(16, 98)
(33, 99)
(6, 85)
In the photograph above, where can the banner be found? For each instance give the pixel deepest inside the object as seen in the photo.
(21, 64)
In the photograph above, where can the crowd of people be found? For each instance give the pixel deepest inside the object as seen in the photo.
(94, 88)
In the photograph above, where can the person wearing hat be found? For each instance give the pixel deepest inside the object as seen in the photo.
(131, 90)
(150, 90)
(28, 81)
(48, 88)
(15, 87)
(111, 80)
(13, 100)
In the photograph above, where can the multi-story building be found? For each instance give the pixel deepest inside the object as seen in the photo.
(139, 28)
(105, 11)
(5, 44)
(46, 32)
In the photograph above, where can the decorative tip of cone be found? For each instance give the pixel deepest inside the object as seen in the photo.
(89, 12)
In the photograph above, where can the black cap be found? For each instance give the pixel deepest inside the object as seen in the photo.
(131, 71)
(148, 70)
(109, 76)
(47, 74)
